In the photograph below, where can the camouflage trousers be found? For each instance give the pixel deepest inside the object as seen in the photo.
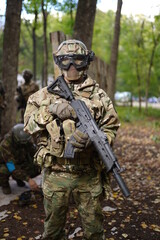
(86, 190)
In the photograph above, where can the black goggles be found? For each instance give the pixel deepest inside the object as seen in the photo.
(78, 61)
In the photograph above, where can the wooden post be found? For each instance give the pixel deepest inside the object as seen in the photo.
(97, 70)
(55, 39)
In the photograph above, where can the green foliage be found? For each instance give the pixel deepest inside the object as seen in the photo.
(59, 22)
(66, 6)
(135, 47)
(25, 57)
(103, 34)
(132, 115)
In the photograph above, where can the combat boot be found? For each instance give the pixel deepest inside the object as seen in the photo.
(6, 189)
(20, 183)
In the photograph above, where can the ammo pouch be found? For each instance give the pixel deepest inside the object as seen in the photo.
(59, 134)
(43, 158)
(56, 138)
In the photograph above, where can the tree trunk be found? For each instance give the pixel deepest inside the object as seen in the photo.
(139, 86)
(84, 22)
(148, 78)
(55, 39)
(111, 81)
(34, 45)
(45, 47)
(10, 60)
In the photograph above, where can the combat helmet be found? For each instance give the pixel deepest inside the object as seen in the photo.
(18, 134)
(73, 52)
(27, 75)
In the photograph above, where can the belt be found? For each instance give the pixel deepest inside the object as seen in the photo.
(72, 169)
(71, 165)
(75, 161)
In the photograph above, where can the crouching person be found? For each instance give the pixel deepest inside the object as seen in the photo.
(16, 159)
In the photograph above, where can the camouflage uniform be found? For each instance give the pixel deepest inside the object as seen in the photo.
(21, 156)
(29, 89)
(80, 176)
(24, 91)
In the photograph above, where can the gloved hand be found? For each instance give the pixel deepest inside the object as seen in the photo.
(63, 111)
(81, 142)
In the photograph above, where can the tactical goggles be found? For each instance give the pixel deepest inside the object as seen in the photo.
(78, 61)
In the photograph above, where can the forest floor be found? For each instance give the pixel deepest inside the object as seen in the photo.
(137, 217)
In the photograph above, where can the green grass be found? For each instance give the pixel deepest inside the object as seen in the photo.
(132, 115)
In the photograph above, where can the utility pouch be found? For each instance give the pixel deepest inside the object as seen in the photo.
(56, 140)
(43, 158)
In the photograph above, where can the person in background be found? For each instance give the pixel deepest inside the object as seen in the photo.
(52, 119)
(24, 91)
(16, 159)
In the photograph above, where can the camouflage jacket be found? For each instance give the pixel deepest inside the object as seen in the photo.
(28, 89)
(38, 120)
(20, 155)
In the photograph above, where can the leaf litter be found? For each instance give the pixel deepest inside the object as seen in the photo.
(136, 217)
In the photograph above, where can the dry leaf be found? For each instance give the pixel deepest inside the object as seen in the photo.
(17, 217)
(125, 235)
(144, 225)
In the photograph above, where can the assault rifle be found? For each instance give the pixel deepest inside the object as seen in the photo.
(87, 124)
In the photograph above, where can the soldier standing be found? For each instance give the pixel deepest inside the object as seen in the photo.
(24, 91)
(16, 159)
(53, 120)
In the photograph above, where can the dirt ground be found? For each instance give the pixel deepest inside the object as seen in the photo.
(137, 217)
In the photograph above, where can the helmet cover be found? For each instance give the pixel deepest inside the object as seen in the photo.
(73, 52)
(19, 136)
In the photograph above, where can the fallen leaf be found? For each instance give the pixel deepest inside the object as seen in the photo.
(124, 235)
(155, 228)
(5, 234)
(144, 225)
(25, 223)
(17, 217)
(34, 206)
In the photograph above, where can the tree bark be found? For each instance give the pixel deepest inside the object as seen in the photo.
(34, 44)
(55, 39)
(10, 60)
(111, 81)
(84, 22)
(45, 47)
(139, 85)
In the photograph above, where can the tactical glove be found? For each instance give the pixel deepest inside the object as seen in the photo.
(63, 111)
(81, 142)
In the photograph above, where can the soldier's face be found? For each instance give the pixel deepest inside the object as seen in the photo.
(72, 74)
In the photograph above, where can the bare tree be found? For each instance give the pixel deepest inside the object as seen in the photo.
(10, 60)
(84, 22)
(111, 80)
(45, 46)
(148, 78)
(34, 44)
(139, 40)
